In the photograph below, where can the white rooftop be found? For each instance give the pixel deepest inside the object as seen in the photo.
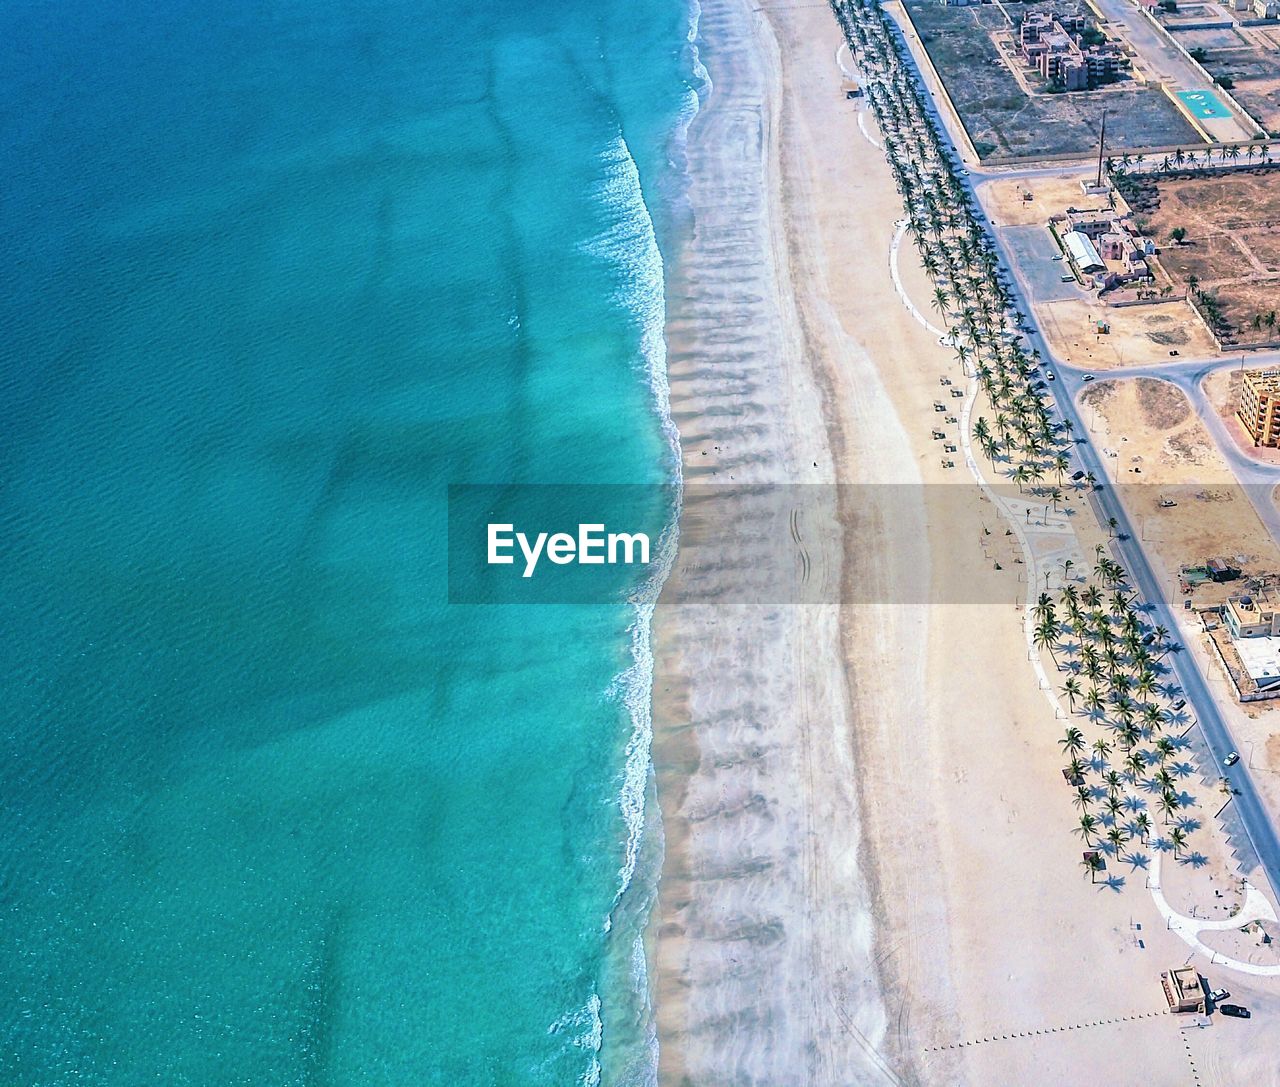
(1082, 251)
(1261, 659)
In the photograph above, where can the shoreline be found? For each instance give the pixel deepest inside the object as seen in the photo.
(860, 798)
(765, 913)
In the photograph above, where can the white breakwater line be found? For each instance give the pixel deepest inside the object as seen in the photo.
(1256, 905)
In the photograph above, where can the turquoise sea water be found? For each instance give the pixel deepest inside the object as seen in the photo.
(271, 811)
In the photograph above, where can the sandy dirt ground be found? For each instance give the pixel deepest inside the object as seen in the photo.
(1139, 335)
(1163, 451)
(870, 874)
(1006, 203)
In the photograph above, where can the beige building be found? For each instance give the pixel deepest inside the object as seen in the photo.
(1252, 615)
(1260, 406)
(1053, 44)
(1184, 990)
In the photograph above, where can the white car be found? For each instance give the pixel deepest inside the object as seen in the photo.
(1231, 759)
(1219, 995)
(1087, 377)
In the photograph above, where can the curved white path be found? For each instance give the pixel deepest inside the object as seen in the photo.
(842, 51)
(1256, 905)
(1256, 908)
(852, 73)
(896, 244)
(862, 124)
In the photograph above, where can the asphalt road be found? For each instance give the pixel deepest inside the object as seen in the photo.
(1257, 826)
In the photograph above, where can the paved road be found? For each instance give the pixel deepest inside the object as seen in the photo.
(1258, 828)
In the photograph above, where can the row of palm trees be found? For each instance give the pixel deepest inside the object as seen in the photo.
(1097, 629)
(971, 292)
(1181, 159)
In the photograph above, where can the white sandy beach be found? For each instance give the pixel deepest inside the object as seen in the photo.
(868, 861)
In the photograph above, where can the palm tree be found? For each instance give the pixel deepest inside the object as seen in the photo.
(1117, 837)
(1101, 748)
(1093, 700)
(1092, 864)
(1143, 822)
(1169, 803)
(1045, 636)
(1087, 827)
(1071, 690)
(1072, 741)
(1178, 838)
(1083, 797)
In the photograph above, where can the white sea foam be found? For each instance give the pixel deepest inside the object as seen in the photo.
(630, 243)
(587, 1034)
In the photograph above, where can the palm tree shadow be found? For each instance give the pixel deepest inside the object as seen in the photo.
(1114, 883)
(1138, 860)
(1196, 860)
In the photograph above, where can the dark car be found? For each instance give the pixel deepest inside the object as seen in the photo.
(1234, 1010)
(1180, 703)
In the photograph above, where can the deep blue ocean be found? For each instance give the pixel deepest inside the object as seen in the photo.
(272, 811)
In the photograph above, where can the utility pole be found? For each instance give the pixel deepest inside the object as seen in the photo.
(1101, 143)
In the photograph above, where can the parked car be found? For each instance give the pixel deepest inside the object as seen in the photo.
(1087, 377)
(1219, 995)
(1173, 352)
(1231, 759)
(1234, 1010)
(1051, 375)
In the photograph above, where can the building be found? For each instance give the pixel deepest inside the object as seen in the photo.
(1108, 253)
(1082, 253)
(1184, 990)
(1260, 406)
(1266, 9)
(1252, 615)
(1052, 44)
(1253, 621)
(1222, 570)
